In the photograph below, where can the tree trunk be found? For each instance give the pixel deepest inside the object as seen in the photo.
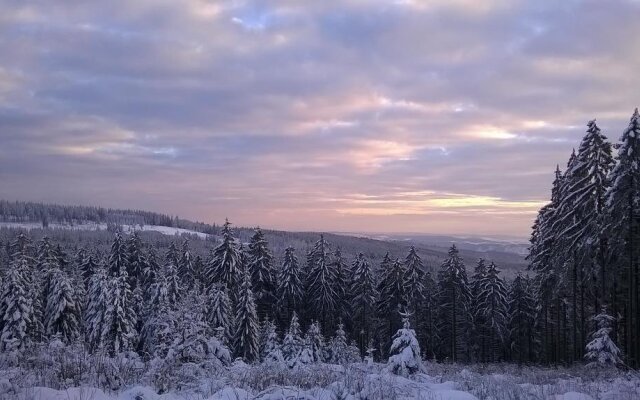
(575, 307)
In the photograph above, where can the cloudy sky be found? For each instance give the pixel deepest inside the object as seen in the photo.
(444, 116)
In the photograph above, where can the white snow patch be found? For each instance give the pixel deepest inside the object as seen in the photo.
(573, 396)
(165, 230)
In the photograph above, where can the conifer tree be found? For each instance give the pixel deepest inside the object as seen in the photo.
(478, 335)
(118, 263)
(583, 208)
(96, 308)
(225, 265)
(198, 271)
(601, 350)
(492, 310)
(543, 261)
(623, 207)
(453, 306)
(313, 349)
(391, 299)
(270, 352)
(135, 260)
(88, 267)
(79, 294)
(18, 311)
(364, 293)
(61, 312)
(290, 285)
(521, 320)
(342, 285)
(185, 268)
(20, 258)
(192, 343)
(246, 329)
(404, 353)
(292, 343)
(414, 278)
(219, 313)
(339, 347)
(150, 275)
(119, 329)
(430, 311)
(262, 274)
(170, 273)
(46, 256)
(414, 284)
(321, 294)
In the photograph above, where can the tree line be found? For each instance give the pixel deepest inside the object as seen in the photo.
(135, 300)
(583, 249)
(45, 214)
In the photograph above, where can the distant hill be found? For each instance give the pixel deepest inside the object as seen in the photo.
(75, 225)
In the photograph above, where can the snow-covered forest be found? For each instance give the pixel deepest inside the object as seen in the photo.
(172, 319)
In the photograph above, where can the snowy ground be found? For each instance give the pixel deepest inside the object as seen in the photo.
(355, 382)
(165, 230)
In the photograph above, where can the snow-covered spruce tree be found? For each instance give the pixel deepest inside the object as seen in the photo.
(601, 350)
(429, 333)
(158, 328)
(18, 309)
(322, 297)
(292, 342)
(492, 311)
(46, 256)
(391, 299)
(263, 274)
(185, 266)
(135, 260)
(290, 288)
(363, 292)
(404, 354)
(542, 261)
(339, 350)
(623, 206)
(478, 336)
(149, 275)
(414, 285)
(580, 245)
(170, 273)
(198, 271)
(582, 211)
(453, 307)
(118, 262)
(219, 313)
(313, 350)
(246, 324)
(79, 292)
(521, 320)
(342, 286)
(88, 267)
(270, 352)
(119, 329)
(38, 280)
(414, 279)
(19, 251)
(61, 310)
(224, 266)
(192, 343)
(94, 317)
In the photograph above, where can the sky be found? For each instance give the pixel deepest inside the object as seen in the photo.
(443, 116)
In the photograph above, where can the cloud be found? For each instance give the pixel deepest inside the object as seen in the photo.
(269, 111)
